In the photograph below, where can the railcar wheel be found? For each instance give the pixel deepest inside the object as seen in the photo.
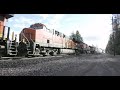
(51, 53)
(58, 52)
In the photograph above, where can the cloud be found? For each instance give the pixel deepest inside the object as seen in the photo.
(43, 16)
(52, 21)
(24, 20)
(55, 21)
(91, 38)
(18, 25)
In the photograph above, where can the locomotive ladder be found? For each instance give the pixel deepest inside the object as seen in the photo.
(28, 45)
(30, 51)
(12, 48)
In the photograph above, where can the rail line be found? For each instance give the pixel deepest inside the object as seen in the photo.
(27, 58)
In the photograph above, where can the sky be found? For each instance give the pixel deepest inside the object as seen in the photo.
(94, 28)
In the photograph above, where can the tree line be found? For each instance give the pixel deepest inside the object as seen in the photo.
(113, 43)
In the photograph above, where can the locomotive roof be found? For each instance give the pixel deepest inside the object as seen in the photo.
(29, 28)
(37, 25)
(40, 24)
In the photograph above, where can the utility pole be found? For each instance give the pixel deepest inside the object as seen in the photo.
(114, 41)
(113, 23)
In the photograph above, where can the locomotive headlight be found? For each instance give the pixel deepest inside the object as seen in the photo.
(1, 46)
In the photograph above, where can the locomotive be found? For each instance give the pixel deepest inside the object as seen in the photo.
(7, 46)
(42, 41)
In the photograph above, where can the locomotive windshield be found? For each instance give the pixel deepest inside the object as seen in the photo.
(37, 26)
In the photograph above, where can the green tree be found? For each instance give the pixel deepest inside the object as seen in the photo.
(110, 45)
(114, 44)
(76, 37)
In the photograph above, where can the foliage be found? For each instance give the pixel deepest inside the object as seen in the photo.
(76, 37)
(114, 41)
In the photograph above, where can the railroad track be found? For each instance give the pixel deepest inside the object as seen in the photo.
(27, 58)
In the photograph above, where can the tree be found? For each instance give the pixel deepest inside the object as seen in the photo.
(76, 37)
(73, 37)
(110, 45)
(114, 42)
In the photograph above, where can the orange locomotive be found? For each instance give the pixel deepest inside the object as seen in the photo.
(7, 47)
(41, 40)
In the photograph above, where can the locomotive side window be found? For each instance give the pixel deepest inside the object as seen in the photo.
(56, 32)
(48, 41)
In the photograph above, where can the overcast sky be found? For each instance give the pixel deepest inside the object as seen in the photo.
(94, 28)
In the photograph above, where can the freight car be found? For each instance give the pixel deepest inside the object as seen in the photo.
(7, 46)
(42, 41)
(84, 48)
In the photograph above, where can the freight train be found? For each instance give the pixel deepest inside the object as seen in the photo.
(37, 40)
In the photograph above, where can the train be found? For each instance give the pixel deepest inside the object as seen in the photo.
(38, 40)
(7, 46)
(41, 40)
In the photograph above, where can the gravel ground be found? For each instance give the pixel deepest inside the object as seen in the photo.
(82, 65)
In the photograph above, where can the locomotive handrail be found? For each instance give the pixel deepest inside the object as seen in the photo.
(31, 38)
(26, 38)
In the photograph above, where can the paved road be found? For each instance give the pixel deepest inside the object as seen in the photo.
(91, 65)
